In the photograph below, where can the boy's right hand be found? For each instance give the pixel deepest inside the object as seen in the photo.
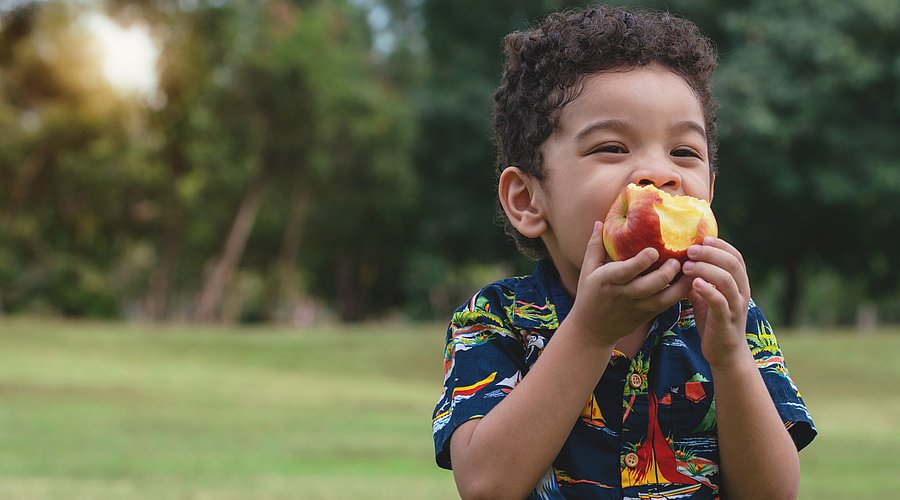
(614, 298)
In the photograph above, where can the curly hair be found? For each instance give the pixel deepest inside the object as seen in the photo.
(545, 69)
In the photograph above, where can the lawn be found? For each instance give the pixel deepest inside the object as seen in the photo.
(100, 410)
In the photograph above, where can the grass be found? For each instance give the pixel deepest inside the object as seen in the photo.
(849, 382)
(98, 410)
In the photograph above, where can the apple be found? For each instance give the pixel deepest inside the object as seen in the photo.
(644, 216)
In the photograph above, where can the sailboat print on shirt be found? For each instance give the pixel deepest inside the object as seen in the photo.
(655, 462)
(591, 414)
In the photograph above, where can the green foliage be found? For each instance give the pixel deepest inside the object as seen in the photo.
(809, 123)
(65, 167)
(283, 95)
(355, 137)
(456, 221)
(315, 115)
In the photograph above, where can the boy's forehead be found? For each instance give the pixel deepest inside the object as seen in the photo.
(605, 98)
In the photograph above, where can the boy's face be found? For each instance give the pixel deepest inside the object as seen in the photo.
(644, 126)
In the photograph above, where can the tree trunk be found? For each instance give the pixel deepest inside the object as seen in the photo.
(158, 302)
(223, 269)
(159, 292)
(349, 306)
(283, 279)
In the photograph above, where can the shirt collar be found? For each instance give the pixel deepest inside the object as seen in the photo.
(540, 301)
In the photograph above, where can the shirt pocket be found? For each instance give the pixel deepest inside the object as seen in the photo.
(693, 409)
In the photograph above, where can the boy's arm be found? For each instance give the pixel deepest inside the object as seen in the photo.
(758, 457)
(505, 453)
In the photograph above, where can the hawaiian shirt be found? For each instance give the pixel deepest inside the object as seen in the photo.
(648, 430)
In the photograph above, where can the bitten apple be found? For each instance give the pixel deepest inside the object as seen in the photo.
(644, 216)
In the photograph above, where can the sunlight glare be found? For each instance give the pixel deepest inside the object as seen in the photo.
(128, 55)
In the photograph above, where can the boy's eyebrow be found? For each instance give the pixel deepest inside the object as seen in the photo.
(691, 126)
(611, 124)
(619, 125)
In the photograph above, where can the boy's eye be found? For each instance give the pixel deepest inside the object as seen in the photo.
(686, 153)
(610, 148)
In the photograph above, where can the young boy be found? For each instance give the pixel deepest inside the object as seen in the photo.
(592, 378)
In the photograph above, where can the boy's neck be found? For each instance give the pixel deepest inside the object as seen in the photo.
(568, 277)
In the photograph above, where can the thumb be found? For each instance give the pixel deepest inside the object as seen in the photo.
(595, 254)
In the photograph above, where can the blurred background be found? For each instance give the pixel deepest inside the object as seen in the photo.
(289, 161)
(217, 217)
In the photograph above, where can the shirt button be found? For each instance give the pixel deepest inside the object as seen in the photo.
(631, 460)
(635, 380)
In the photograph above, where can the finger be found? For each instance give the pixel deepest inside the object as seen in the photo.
(627, 270)
(724, 257)
(725, 246)
(721, 254)
(710, 306)
(719, 278)
(595, 254)
(700, 307)
(738, 258)
(677, 290)
(696, 299)
(648, 285)
(716, 303)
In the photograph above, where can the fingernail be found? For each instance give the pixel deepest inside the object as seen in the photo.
(693, 250)
(687, 266)
(597, 225)
(709, 240)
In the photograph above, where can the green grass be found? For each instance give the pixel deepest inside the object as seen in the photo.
(849, 383)
(97, 410)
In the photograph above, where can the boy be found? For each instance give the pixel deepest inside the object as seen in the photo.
(591, 378)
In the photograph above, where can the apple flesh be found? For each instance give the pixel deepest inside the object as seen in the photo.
(644, 216)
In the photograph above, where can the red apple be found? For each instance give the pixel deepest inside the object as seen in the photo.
(644, 216)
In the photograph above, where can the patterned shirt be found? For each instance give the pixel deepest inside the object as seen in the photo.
(648, 430)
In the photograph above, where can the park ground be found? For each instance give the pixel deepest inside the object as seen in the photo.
(123, 411)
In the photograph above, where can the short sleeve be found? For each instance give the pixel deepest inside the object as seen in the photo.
(771, 364)
(483, 360)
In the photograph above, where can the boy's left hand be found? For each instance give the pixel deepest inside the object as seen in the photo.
(720, 293)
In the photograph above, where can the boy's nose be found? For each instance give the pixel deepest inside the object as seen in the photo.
(662, 177)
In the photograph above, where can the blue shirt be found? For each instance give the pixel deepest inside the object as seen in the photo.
(648, 430)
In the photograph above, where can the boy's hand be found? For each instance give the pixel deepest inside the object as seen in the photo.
(720, 293)
(613, 298)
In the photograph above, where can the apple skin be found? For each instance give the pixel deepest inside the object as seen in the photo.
(644, 216)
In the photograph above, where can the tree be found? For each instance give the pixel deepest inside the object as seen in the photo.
(63, 151)
(322, 124)
(456, 225)
(194, 44)
(269, 111)
(809, 152)
(807, 132)
(365, 184)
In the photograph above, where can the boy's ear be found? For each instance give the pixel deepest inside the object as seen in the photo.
(521, 196)
(712, 186)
